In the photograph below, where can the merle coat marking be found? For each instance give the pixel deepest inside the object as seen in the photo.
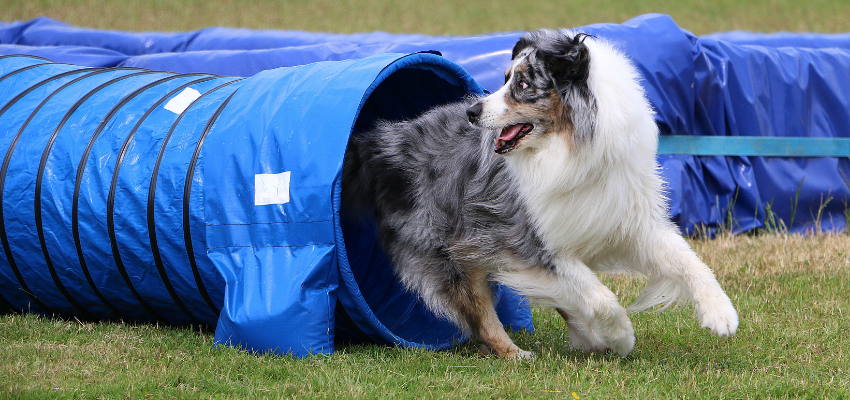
(537, 186)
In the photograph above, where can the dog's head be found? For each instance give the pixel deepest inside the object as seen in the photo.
(546, 92)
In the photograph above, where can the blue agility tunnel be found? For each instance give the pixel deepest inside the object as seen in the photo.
(188, 197)
(206, 200)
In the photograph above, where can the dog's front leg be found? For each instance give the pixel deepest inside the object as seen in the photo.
(582, 337)
(595, 319)
(676, 272)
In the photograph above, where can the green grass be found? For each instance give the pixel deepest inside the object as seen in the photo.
(793, 342)
(433, 16)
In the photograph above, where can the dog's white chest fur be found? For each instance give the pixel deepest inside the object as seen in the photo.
(584, 208)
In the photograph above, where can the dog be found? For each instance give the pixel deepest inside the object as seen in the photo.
(537, 186)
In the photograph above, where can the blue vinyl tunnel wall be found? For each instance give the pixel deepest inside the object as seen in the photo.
(199, 199)
(160, 221)
(75, 183)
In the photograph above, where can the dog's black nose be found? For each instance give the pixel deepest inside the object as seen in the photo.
(474, 111)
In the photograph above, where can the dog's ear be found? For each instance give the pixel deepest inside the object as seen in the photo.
(568, 60)
(521, 45)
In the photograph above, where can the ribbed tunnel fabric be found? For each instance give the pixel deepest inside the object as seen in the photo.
(131, 194)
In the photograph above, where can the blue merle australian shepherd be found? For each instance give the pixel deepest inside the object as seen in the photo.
(537, 186)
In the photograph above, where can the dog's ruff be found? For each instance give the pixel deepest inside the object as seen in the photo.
(554, 180)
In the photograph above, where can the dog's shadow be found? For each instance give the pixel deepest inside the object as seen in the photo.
(685, 345)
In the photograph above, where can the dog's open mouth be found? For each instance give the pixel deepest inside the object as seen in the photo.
(510, 136)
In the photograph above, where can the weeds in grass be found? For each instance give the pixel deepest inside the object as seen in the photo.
(772, 223)
(846, 215)
(846, 204)
(818, 218)
(796, 201)
(730, 222)
(727, 225)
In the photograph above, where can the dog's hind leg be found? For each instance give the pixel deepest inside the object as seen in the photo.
(463, 295)
(492, 332)
(595, 319)
(474, 304)
(676, 272)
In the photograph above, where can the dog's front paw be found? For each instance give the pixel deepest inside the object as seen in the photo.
(720, 316)
(618, 333)
(609, 330)
(596, 345)
(582, 338)
(623, 344)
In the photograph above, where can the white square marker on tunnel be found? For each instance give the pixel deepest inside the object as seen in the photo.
(271, 188)
(181, 102)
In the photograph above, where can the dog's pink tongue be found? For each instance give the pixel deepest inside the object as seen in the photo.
(510, 132)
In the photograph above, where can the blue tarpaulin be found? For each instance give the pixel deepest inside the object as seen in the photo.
(106, 214)
(723, 84)
(115, 207)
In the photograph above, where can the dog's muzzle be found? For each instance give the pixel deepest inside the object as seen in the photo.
(474, 112)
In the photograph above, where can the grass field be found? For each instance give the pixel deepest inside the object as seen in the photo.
(436, 17)
(792, 293)
(793, 342)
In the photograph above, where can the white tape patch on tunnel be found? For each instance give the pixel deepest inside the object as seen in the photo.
(181, 102)
(271, 188)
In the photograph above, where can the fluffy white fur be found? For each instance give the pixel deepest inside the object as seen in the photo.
(599, 206)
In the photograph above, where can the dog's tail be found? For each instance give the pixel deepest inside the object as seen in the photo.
(661, 293)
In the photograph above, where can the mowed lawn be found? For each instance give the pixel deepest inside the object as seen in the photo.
(792, 292)
(434, 17)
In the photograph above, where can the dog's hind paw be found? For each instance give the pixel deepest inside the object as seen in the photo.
(520, 354)
(513, 354)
